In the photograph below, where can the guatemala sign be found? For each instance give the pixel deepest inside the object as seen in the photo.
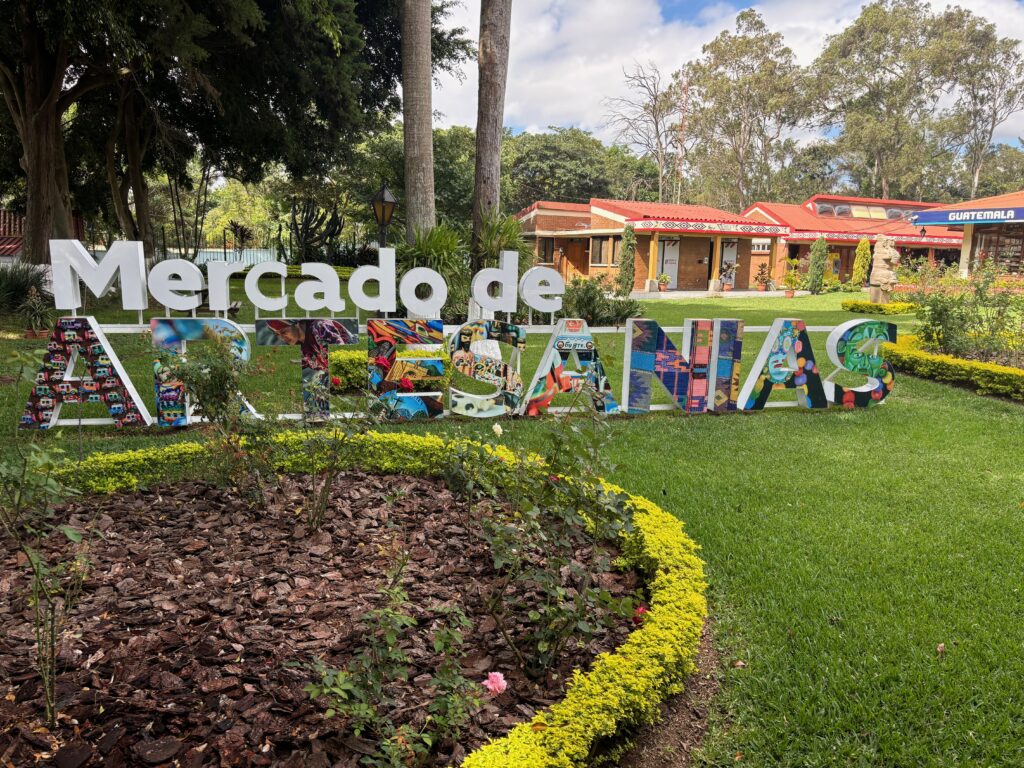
(962, 216)
(701, 375)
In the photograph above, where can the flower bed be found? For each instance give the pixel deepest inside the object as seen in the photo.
(986, 378)
(623, 688)
(873, 308)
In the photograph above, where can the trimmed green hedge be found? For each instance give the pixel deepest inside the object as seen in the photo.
(871, 308)
(622, 689)
(986, 378)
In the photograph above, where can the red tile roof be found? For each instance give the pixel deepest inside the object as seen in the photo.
(805, 224)
(1009, 200)
(633, 209)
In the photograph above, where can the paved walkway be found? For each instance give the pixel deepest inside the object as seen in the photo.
(708, 294)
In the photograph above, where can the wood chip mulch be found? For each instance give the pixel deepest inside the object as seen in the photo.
(190, 643)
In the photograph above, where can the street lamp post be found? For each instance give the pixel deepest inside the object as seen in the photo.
(383, 204)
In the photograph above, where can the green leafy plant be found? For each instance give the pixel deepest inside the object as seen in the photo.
(360, 692)
(664, 279)
(816, 266)
(534, 539)
(793, 280)
(16, 280)
(212, 376)
(589, 299)
(29, 490)
(444, 250)
(36, 311)
(861, 263)
(763, 276)
(627, 263)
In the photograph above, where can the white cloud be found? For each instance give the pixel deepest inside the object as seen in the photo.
(567, 56)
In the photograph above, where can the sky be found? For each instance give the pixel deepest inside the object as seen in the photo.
(567, 56)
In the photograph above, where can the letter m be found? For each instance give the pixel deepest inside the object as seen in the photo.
(71, 263)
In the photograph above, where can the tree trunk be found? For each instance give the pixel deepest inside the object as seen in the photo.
(417, 113)
(492, 63)
(32, 95)
(135, 143)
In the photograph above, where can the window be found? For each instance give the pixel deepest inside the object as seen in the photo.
(824, 209)
(842, 209)
(894, 213)
(599, 251)
(761, 245)
(616, 250)
(546, 250)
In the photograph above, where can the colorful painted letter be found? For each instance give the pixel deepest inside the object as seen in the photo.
(409, 387)
(105, 381)
(171, 335)
(570, 343)
(705, 378)
(313, 336)
(504, 376)
(856, 346)
(786, 361)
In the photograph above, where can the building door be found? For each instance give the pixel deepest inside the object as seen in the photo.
(730, 251)
(668, 261)
(576, 257)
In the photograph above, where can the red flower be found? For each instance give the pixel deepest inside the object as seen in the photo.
(335, 381)
(405, 384)
(382, 362)
(639, 615)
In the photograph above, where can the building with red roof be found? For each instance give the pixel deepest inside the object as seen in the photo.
(992, 229)
(844, 220)
(696, 246)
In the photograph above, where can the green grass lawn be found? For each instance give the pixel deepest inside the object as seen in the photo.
(842, 548)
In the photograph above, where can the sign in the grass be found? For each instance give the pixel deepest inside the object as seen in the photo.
(703, 374)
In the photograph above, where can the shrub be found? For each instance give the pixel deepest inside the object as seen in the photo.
(816, 266)
(793, 280)
(861, 263)
(443, 250)
(627, 263)
(871, 308)
(969, 319)
(986, 378)
(15, 282)
(589, 300)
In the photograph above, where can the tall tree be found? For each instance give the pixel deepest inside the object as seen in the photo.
(746, 102)
(567, 164)
(880, 83)
(49, 59)
(645, 119)
(989, 77)
(417, 114)
(492, 67)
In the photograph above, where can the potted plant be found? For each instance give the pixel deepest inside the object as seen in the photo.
(663, 280)
(728, 277)
(763, 278)
(38, 315)
(792, 279)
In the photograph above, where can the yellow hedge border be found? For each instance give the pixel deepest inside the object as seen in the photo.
(872, 308)
(986, 378)
(623, 688)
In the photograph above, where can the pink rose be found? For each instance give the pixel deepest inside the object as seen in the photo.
(639, 615)
(495, 683)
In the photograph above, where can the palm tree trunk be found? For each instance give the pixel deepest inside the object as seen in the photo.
(492, 63)
(417, 113)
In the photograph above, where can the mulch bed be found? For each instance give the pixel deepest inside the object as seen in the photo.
(182, 648)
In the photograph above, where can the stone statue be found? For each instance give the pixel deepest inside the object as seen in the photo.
(883, 278)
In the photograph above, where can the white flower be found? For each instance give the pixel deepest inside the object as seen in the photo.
(496, 428)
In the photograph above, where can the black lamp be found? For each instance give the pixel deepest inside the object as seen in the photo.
(383, 204)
